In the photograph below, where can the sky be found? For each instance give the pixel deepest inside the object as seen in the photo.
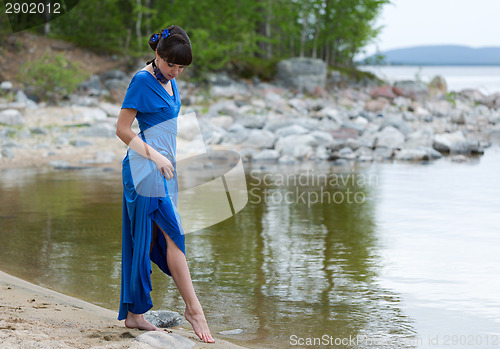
(406, 23)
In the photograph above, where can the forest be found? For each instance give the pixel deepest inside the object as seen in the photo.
(242, 34)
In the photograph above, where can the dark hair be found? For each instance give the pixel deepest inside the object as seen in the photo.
(175, 48)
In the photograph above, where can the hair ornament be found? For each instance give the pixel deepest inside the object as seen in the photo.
(165, 33)
(154, 38)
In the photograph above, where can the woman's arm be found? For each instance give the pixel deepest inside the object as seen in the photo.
(125, 133)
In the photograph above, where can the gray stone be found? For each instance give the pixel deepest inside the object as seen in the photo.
(91, 86)
(60, 164)
(382, 153)
(421, 138)
(322, 138)
(11, 117)
(116, 84)
(290, 130)
(277, 123)
(114, 74)
(454, 143)
(303, 74)
(266, 154)
(232, 332)
(6, 85)
(236, 134)
(6, 132)
(8, 152)
(163, 340)
(310, 124)
(416, 90)
(492, 101)
(41, 146)
(223, 121)
(398, 123)
(259, 139)
(390, 138)
(439, 108)
(102, 129)
(38, 131)
(88, 115)
(298, 146)
(418, 154)
(110, 109)
(79, 143)
(299, 105)
(252, 120)
(164, 318)
(287, 159)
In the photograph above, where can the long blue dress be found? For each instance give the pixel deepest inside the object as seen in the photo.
(148, 197)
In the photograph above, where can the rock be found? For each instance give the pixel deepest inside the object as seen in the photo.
(112, 110)
(398, 123)
(266, 155)
(87, 115)
(298, 146)
(188, 128)
(322, 138)
(454, 143)
(299, 105)
(60, 164)
(274, 124)
(237, 133)
(439, 108)
(438, 86)
(274, 101)
(383, 91)
(290, 130)
(7, 152)
(492, 101)
(459, 158)
(303, 74)
(6, 85)
(421, 138)
(252, 120)
(38, 131)
(114, 74)
(231, 332)
(287, 160)
(164, 318)
(458, 117)
(376, 105)
(418, 154)
(11, 117)
(415, 90)
(259, 139)
(222, 121)
(472, 95)
(390, 138)
(401, 102)
(163, 340)
(309, 123)
(382, 154)
(79, 143)
(101, 129)
(6, 132)
(91, 86)
(224, 108)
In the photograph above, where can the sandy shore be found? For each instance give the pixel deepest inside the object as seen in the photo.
(35, 317)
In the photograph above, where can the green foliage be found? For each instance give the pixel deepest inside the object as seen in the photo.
(52, 76)
(452, 98)
(223, 32)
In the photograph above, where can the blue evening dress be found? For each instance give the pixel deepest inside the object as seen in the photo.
(148, 197)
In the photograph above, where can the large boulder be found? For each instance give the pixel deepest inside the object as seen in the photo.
(11, 117)
(416, 90)
(390, 138)
(455, 143)
(259, 139)
(303, 74)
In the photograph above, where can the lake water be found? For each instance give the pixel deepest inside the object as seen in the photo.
(484, 78)
(390, 255)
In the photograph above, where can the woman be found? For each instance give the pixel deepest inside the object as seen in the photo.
(151, 229)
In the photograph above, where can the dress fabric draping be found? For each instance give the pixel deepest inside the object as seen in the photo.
(148, 197)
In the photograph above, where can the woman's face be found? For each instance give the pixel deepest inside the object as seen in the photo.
(169, 70)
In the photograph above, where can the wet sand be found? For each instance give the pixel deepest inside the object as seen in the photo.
(36, 317)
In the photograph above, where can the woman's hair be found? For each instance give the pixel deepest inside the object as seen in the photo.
(173, 45)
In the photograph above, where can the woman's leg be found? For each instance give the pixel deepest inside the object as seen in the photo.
(137, 320)
(178, 267)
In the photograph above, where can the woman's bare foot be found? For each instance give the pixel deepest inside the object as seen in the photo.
(138, 321)
(197, 319)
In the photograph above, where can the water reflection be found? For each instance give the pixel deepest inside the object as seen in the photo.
(290, 263)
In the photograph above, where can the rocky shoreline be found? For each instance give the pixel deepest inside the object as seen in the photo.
(329, 119)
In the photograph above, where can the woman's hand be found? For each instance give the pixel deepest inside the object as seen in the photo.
(164, 166)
